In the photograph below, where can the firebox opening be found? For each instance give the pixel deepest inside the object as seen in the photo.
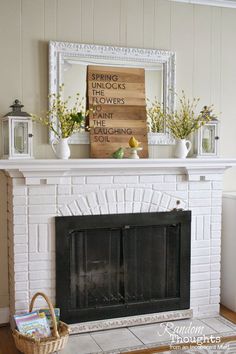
(110, 266)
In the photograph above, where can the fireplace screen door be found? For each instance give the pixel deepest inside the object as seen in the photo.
(121, 265)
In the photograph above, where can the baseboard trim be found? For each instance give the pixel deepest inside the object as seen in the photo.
(4, 315)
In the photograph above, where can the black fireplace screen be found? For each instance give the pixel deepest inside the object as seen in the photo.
(121, 265)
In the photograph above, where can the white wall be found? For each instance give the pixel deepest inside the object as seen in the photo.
(202, 36)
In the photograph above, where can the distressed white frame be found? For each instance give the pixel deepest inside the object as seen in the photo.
(59, 50)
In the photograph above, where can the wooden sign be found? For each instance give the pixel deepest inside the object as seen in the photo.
(117, 96)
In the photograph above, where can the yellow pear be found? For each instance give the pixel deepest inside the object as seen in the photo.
(133, 142)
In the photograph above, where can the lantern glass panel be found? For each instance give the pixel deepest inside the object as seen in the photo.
(21, 138)
(5, 137)
(208, 139)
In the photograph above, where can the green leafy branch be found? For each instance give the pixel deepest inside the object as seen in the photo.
(181, 123)
(155, 116)
(70, 120)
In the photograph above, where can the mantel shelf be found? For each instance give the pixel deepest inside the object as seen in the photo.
(54, 167)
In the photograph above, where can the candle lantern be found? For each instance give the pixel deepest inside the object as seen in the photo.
(17, 133)
(207, 138)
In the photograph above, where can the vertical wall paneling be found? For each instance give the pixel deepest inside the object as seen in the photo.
(228, 90)
(123, 23)
(162, 24)
(10, 40)
(202, 54)
(106, 22)
(185, 28)
(33, 53)
(50, 20)
(228, 83)
(215, 67)
(87, 16)
(148, 24)
(49, 33)
(69, 20)
(35, 68)
(135, 23)
(182, 38)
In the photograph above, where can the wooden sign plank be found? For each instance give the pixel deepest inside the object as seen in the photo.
(117, 96)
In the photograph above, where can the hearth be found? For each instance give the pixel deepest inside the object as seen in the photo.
(118, 265)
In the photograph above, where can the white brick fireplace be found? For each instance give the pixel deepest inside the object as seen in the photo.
(39, 190)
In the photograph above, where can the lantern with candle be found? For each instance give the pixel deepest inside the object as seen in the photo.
(206, 137)
(17, 133)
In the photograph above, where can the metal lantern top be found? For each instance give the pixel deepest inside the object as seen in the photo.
(16, 110)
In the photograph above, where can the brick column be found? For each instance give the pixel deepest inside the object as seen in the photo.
(17, 221)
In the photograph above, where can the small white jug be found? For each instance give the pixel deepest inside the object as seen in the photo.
(182, 148)
(61, 149)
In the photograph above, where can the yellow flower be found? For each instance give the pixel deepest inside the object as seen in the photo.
(155, 116)
(70, 120)
(181, 123)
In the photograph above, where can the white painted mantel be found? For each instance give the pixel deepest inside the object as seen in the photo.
(39, 190)
(38, 168)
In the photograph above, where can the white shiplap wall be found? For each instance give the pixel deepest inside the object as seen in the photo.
(202, 36)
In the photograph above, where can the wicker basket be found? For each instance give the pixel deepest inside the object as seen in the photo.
(56, 342)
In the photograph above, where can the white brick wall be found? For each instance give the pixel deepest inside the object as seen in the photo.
(32, 208)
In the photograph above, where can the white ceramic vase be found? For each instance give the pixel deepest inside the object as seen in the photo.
(182, 148)
(61, 148)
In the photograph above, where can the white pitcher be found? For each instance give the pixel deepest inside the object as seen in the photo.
(182, 148)
(61, 148)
